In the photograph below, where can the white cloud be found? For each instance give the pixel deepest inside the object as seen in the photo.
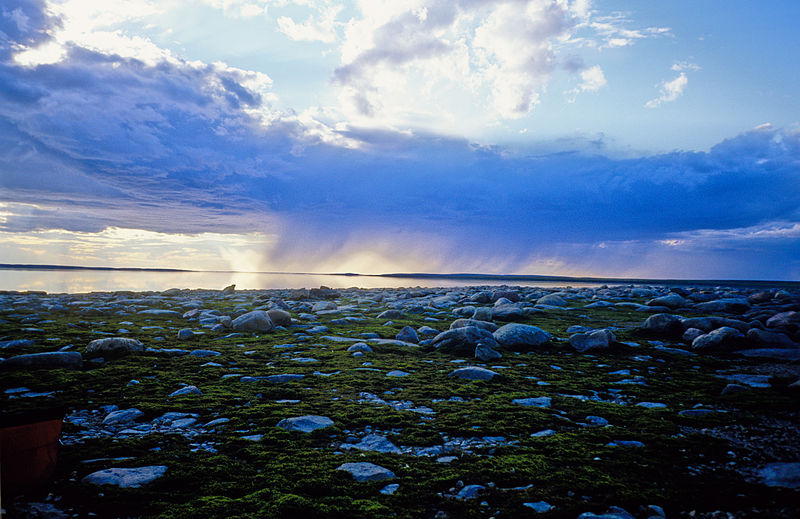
(669, 91)
(592, 80)
(684, 65)
(612, 31)
(241, 8)
(432, 64)
(322, 28)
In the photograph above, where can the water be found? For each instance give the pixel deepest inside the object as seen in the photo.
(81, 281)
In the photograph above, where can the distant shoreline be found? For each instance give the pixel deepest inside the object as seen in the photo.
(459, 276)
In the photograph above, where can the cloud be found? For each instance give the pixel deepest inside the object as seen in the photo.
(100, 141)
(404, 64)
(592, 80)
(683, 66)
(613, 31)
(322, 29)
(669, 91)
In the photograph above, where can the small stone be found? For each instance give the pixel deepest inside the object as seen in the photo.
(363, 471)
(122, 416)
(305, 423)
(541, 401)
(360, 347)
(390, 489)
(539, 507)
(473, 373)
(470, 492)
(186, 334)
(597, 421)
(188, 390)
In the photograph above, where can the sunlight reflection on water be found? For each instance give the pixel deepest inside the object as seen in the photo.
(80, 281)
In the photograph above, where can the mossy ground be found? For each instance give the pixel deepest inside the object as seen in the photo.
(293, 474)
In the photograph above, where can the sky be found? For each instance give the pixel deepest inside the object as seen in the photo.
(553, 137)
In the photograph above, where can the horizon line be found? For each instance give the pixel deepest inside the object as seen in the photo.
(420, 275)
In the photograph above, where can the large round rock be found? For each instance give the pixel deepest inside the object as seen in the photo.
(721, 339)
(305, 423)
(113, 347)
(515, 336)
(597, 340)
(46, 360)
(663, 324)
(255, 321)
(363, 471)
(280, 317)
(462, 341)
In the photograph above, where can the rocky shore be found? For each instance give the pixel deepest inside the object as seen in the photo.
(613, 402)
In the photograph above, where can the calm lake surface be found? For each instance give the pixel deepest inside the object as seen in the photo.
(80, 281)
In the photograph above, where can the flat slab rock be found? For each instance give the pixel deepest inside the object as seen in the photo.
(473, 373)
(305, 423)
(126, 478)
(781, 475)
(363, 471)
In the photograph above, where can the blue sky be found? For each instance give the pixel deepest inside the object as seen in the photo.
(656, 139)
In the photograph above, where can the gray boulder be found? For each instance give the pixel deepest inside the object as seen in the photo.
(16, 344)
(186, 390)
(671, 301)
(186, 334)
(305, 423)
(785, 475)
(767, 339)
(704, 324)
(122, 416)
(598, 340)
(464, 311)
(362, 347)
(482, 297)
(280, 317)
(482, 313)
(511, 295)
(375, 443)
(363, 471)
(663, 325)
(552, 300)
(160, 312)
(507, 312)
(255, 321)
(463, 341)
(473, 373)
(112, 347)
(485, 353)
(691, 334)
(46, 360)
(789, 320)
(391, 314)
(462, 323)
(515, 336)
(125, 478)
(721, 339)
(324, 306)
(730, 305)
(407, 334)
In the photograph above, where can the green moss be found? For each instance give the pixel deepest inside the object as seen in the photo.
(293, 474)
